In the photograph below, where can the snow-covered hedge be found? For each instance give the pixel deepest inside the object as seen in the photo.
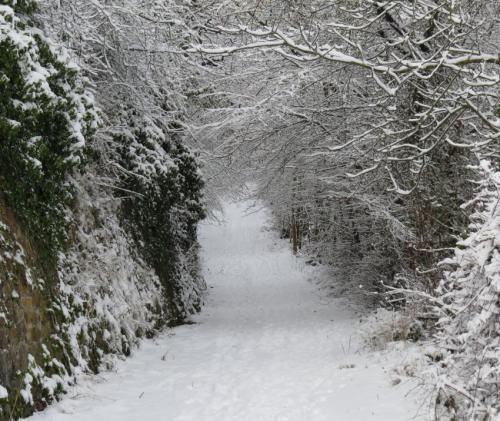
(45, 116)
(162, 203)
(469, 367)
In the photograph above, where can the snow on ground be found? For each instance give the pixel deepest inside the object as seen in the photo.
(267, 347)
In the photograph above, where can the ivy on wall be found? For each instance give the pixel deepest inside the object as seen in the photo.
(45, 117)
(162, 202)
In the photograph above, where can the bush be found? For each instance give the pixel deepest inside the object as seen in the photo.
(385, 326)
(162, 203)
(45, 116)
(469, 368)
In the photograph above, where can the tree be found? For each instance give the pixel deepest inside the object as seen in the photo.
(468, 368)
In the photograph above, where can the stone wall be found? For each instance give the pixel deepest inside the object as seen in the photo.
(25, 323)
(63, 318)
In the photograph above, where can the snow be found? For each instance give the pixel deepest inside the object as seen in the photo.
(269, 345)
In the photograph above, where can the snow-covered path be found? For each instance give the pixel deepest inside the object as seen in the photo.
(267, 347)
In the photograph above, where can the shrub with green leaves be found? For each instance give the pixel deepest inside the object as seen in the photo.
(45, 117)
(162, 202)
(21, 6)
